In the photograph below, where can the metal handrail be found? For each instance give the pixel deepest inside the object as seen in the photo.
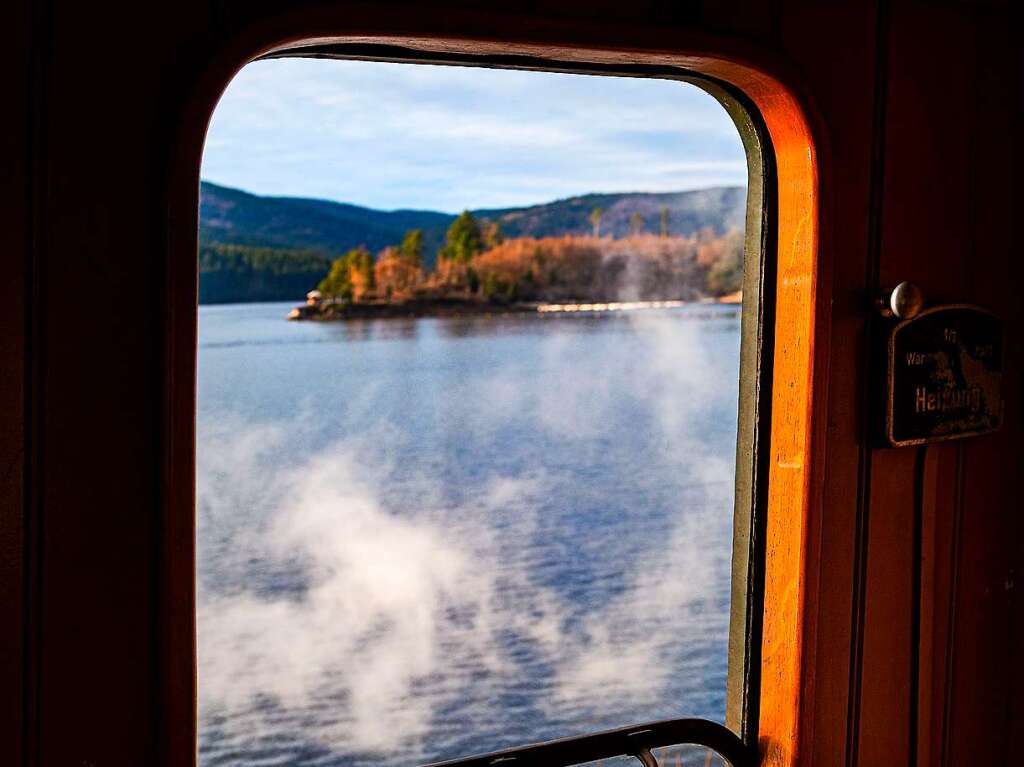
(637, 741)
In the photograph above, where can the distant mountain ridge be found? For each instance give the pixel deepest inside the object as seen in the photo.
(234, 217)
(720, 208)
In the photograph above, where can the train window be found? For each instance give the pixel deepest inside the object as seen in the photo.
(481, 365)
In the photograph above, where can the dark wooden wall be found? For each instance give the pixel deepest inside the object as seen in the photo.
(911, 105)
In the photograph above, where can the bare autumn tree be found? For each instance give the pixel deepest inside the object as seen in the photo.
(396, 274)
(636, 223)
(645, 267)
(595, 221)
(725, 275)
(664, 222)
(361, 273)
(491, 233)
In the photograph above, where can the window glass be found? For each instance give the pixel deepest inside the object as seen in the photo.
(688, 756)
(479, 491)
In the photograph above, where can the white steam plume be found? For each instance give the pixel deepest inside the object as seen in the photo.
(394, 614)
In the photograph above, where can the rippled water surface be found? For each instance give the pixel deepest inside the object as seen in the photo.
(423, 539)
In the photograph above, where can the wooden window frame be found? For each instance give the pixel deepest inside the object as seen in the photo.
(750, 85)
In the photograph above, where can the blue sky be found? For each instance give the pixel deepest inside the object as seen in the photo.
(449, 138)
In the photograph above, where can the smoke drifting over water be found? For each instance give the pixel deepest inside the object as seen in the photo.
(534, 542)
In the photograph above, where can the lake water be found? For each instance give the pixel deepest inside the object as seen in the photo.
(429, 538)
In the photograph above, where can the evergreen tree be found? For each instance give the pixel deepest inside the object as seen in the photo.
(464, 239)
(664, 222)
(350, 276)
(337, 283)
(412, 247)
(245, 273)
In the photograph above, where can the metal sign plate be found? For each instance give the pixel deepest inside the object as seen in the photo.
(944, 376)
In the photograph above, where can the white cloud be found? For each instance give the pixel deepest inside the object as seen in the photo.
(361, 132)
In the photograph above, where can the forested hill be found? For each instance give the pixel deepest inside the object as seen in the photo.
(720, 208)
(233, 217)
(276, 243)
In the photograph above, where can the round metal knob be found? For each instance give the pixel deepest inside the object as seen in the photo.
(906, 300)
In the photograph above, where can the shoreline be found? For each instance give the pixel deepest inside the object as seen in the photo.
(416, 309)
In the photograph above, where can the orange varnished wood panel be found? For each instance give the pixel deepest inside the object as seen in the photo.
(795, 466)
(800, 318)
